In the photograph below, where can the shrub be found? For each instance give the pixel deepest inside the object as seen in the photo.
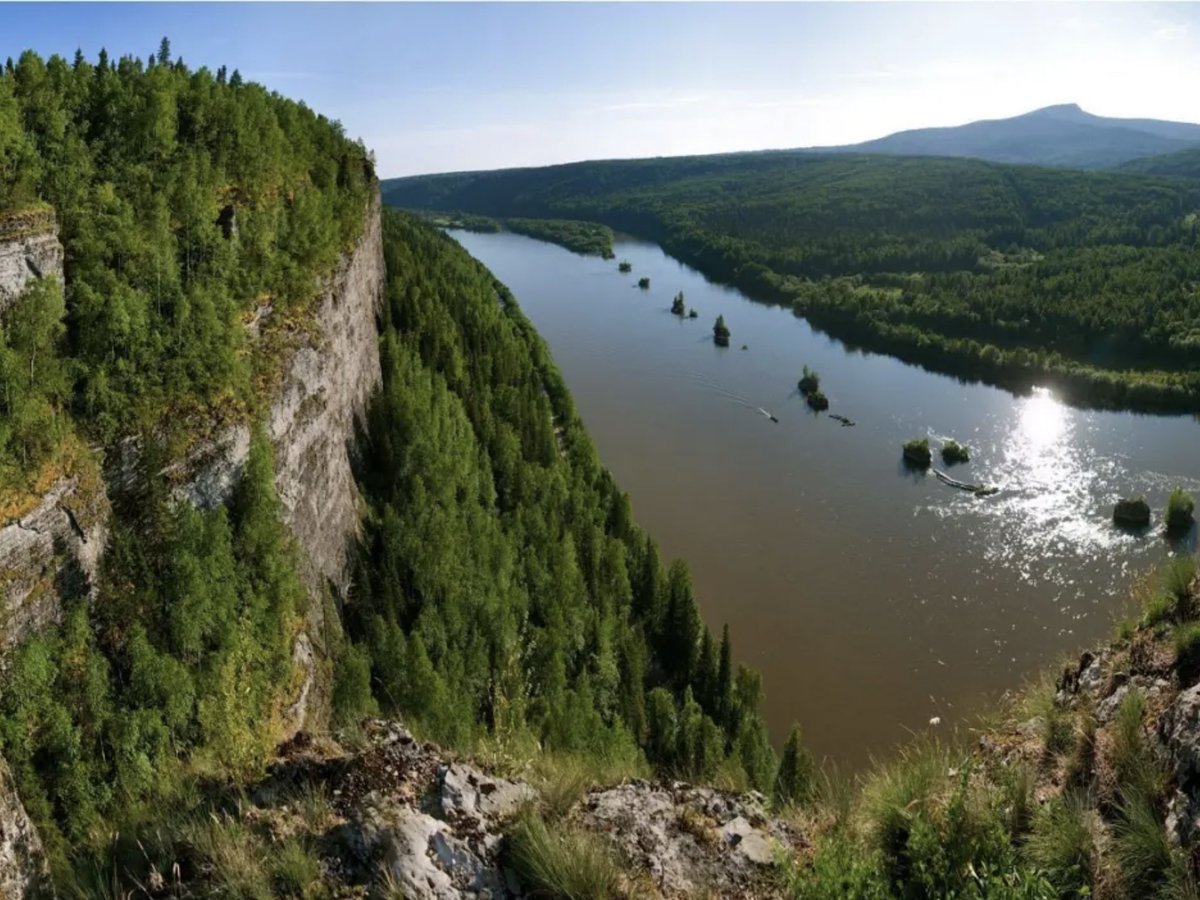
(817, 400)
(1187, 652)
(352, 698)
(567, 863)
(841, 869)
(296, 870)
(1145, 859)
(917, 452)
(644, 283)
(954, 452)
(794, 781)
(1180, 508)
(810, 381)
(624, 267)
(1178, 576)
(1138, 772)
(720, 332)
(692, 314)
(1062, 844)
(678, 307)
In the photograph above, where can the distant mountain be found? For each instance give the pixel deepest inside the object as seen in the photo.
(1063, 136)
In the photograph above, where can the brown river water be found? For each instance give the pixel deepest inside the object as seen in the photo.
(872, 598)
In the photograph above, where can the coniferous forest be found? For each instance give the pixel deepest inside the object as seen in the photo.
(503, 590)
(1013, 274)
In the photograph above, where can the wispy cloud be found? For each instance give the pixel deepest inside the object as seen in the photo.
(1171, 31)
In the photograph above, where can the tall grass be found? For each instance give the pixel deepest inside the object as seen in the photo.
(1063, 844)
(563, 864)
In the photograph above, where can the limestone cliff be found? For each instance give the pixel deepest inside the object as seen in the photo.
(29, 249)
(50, 542)
(22, 865)
(320, 403)
(51, 545)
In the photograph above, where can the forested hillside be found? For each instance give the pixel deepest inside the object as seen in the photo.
(185, 200)
(1014, 274)
(503, 595)
(506, 587)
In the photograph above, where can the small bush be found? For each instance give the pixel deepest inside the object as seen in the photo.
(1058, 731)
(1180, 509)
(810, 381)
(692, 314)
(566, 864)
(296, 871)
(624, 267)
(817, 400)
(917, 452)
(352, 698)
(644, 283)
(1142, 849)
(954, 452)
(231, 855)
(1062, 843)
(1178, 577)
(1138, 772)
(841, 869)
(1187, 652)
(795, 778)
(721, 332)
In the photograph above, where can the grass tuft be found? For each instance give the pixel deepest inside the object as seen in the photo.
(1062, 843)
(1187, 652)
(563, 864)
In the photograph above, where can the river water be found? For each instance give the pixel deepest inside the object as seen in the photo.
(871, 597)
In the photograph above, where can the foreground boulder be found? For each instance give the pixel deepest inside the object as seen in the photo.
(690, 841)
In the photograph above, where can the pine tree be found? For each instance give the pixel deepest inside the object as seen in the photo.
(794, 780)
(164, 51)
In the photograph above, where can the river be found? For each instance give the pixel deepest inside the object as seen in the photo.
(871, 597)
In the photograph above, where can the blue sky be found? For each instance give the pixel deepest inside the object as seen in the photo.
(461, 86)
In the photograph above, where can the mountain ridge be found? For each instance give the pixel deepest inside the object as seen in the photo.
(1061, 135)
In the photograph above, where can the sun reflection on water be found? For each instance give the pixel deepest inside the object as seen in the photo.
(1041, 421)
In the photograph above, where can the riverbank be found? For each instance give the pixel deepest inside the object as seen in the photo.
(773, 516)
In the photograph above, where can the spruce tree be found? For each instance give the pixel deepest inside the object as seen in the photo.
(724, 689)
(794, 780)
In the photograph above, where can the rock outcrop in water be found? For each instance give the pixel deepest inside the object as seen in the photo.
(1132, 513)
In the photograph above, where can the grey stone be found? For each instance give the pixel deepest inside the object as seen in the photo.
(22, 863)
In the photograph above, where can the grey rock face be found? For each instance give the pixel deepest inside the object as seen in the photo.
(29, 249)
(51, 553)
(324, 396)
(690, 840)
(1181, 729)
(320, 405)
(22, 863)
